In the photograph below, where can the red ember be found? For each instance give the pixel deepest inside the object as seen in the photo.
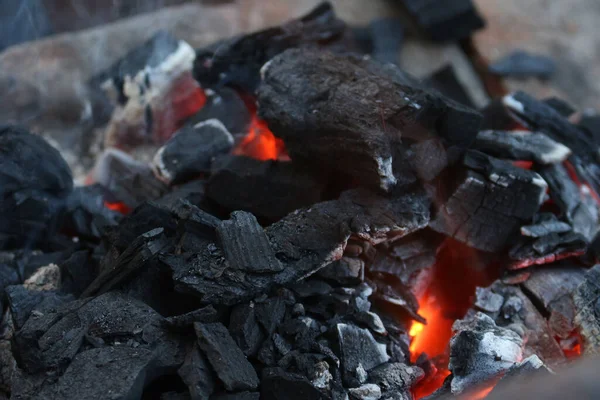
(118, 207)
(260, 143)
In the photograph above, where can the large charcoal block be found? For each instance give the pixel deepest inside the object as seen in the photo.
(347, 115)
(226, 358)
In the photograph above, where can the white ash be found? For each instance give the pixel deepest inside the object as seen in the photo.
(384, 169)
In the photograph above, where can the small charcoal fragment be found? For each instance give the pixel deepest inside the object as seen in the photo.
(226, 358)
(227, 106)
(521, 64)
(197, 374)
(396, 377)
(277, 384)
(563, 191)
(545, 224)
(445, 22)
(369, 391)
(358, 349)
(546, 249)
(270, 313)
(488, 301)
(521, 146)
(245, 329)
(189, 153)
(480, 350)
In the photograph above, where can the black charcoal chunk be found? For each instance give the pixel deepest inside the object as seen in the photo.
(270, 313)
(521, 64)
(77, 272)
(246, 246)
(227, 106)
(480, 350)
(488, 301)
(276, 384)
(521, 146)
(35, 182)
(446, 82)
(244, 328)
(563, 191)
(315, 102)
(444, 22)
(345, 271)
(546, 249)
(268, 189)
(190, 151)
(545, 224)
(359, 350)
(387, 36)
(86, 214)
(586, 298)
(491, 200)
(237, 62)
(195, 220)
(197, 374)
(396, 377)
(226, 358)
(192, 192)
(22, 302)
(204, 314)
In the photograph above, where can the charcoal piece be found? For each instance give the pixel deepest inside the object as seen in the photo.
(268, 189)
(267, 354)
(345, 271)
(227, 106)
(443, 22)
(562, 317)
(270, 313)
(226, 358)
(193, 219)
(396, 377)
(276, 384)
(190, 151)
(521, 146)
(446, 82)
(192, 192)
(387, 36)
(86, 214)
(237, 62)
(371, 320)
(358, 348)
(368, 391)
(490, 201)
(244, 328)
(585, 298)
(204, 314)
(77, 272)
(52, 338)
(488, 301)
(197, 374)
(281, 345)
(304, 242)
(480, 350)
(545, 224)
(135, 257)
(312, 288)
(86, 378)
(530, 368)
(22, 302)
(315, 101)
(521, 64)
(547, 249)
(547, 285)
(561, 106)
(586, 216)
(392, 293)
(35, 182)
(429, 159)
(246, 246)
(237, 396)
(563, 191)
(130, 181)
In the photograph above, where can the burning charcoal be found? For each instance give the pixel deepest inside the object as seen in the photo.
(546, 249)
(545, 224)
(236, 62)
(304, 242)
(129, 181)
(237, 396)
(34, 183)
(563, 191)
(447, 82)
(549, 284)
(245, 330)
(205, 314)
(387, 35)
(443, 22)
(152, 90)
(197, 374)
(86, 214)
(340, 132)
(87, 376)
(521, 64)
(358, 349)
(396, 377)
(131, 260)
(522, 146)
(587, 310)
(189, 153)
(268, 189)
(277, 384)
(228, 361)
(480, 350)
(246, 246)
(491, 200)
(227, 106)
(488, 301)
(365, 392)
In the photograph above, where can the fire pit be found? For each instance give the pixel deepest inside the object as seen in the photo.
(287, 215)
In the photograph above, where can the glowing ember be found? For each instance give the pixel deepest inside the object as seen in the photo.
(432, 338)
(118, 207)
(479, 394)
(523, 164)
(260, 143)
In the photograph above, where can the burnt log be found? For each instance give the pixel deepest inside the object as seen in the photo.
(348, 114)
(237, 62)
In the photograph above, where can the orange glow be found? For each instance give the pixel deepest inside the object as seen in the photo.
(260, 143)
(118, 207)
(432, 338)
(479, 394)
(523, 164)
